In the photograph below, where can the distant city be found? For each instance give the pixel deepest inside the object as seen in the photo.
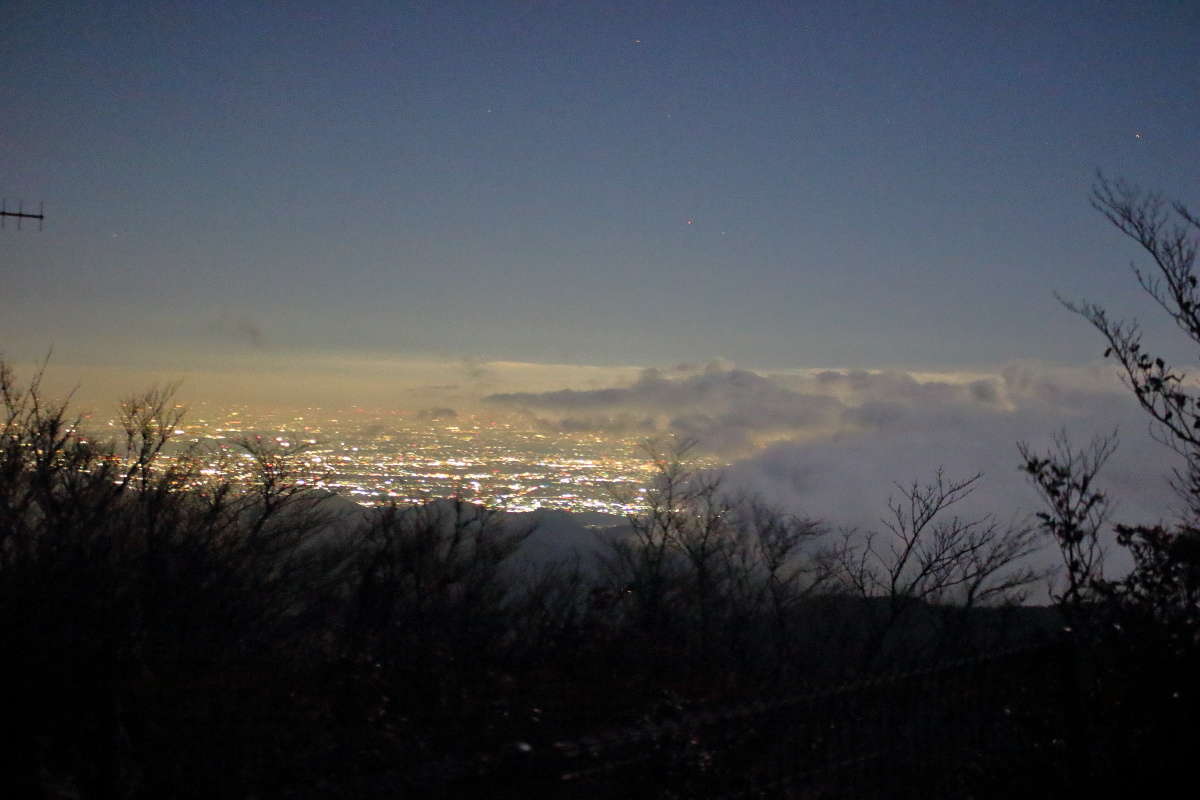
(374, 457)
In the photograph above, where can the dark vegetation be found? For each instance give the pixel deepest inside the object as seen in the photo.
(173, 634)
(176, 634)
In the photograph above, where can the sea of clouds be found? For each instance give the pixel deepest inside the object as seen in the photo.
(836, 444)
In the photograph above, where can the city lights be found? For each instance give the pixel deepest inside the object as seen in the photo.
(382, 458)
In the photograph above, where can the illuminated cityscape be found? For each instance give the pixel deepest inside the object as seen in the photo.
(377, 457)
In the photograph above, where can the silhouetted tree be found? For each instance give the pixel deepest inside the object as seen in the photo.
(926, 557)
(125, 578)
(718, 576)
(1160, 388)
(1140, 632)
(1165, 580)
(1077, 511)
(429, 607)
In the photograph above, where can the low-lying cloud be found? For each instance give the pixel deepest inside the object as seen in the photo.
(724, 408)
(731, 411)
(835, 443)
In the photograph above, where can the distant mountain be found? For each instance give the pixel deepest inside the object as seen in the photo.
(560, 535)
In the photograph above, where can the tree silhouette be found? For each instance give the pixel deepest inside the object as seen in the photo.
(1141, 631)
(929, 555)
(1165, 582)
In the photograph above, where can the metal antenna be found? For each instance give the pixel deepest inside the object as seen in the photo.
(20, 214)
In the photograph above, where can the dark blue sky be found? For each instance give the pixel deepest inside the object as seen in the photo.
(781, 184)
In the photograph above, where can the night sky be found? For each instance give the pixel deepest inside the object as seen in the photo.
(785, 185)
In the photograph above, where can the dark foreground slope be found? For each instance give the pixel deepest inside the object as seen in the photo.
(171, 635)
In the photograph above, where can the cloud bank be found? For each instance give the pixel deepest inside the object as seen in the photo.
(834, 443)
(726, 409)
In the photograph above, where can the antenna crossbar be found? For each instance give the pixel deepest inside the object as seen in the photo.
(21, 214)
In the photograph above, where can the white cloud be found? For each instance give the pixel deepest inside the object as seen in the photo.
(838, 441)
(847, 477)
